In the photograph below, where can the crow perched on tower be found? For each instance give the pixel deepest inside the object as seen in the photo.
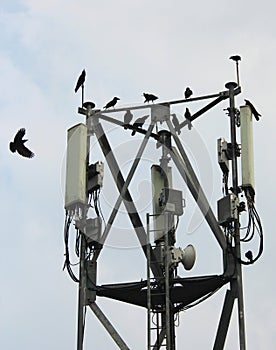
(188, 116)
(111, 103)
(127, 117)
(139, 123)
(149, 97)
(80, 81)
(175, 122)
(253, 109)
(18, 145)
(188, 93)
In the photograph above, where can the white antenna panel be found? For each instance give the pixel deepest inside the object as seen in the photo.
(75, 190)
(247, 154)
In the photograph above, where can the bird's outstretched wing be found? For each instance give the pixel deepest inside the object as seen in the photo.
(19, 135)
(24, 151)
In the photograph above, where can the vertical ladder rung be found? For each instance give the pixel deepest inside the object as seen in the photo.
(155, 324)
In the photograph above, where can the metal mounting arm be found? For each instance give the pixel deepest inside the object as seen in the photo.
(222, 96)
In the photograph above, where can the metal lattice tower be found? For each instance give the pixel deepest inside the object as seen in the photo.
(163, 294)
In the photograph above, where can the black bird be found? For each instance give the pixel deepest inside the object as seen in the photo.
(175, 122)
(127, 117)
(253, 109)
(139, 123)
(188, 92)
(235, 58)
(18, 145)
(112, 103)
(149, 97)
(188, 116)
(249, 255)
(80, 81)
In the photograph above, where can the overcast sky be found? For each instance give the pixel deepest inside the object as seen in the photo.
(127, 48)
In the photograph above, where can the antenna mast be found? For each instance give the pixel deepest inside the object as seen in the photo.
(164, 293)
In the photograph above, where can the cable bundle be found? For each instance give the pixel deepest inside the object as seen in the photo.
(67, 262)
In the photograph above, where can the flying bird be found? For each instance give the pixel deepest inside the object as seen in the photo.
(235, 58)
(80, 81)
(139, 123)
(253, 109)
(249, 255)
(175, 122)
(18, 145)
(149, 97)
(188, 93)
(188, 116)
(112, 103)
(127, 118)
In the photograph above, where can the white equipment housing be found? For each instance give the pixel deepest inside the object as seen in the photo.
(159, 182)
(75, 189)
(247, 154)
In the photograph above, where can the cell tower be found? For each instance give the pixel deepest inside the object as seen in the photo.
(163, 293)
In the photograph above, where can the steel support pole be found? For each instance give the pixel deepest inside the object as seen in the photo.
(159, 340)
(82, 270)
(168, 325)
(81, 301)
(224, 320)
(237, 283)
(108, 326)
(168, 319)
(82, 95)
(238, 75)
(148, 286)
